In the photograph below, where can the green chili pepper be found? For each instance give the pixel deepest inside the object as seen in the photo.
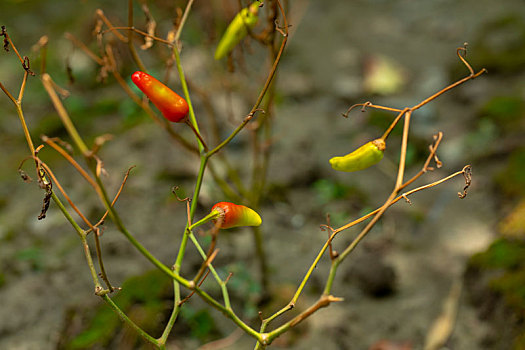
(237, 30)
(363, 157)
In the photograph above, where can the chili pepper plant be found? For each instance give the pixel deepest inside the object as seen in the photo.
(172, 108)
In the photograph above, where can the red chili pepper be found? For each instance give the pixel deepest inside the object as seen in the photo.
(172, 106)
(234, 215)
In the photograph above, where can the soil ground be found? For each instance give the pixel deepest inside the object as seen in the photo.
(424, 245)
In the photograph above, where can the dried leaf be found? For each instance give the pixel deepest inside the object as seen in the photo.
(150, 28)
(383, 76)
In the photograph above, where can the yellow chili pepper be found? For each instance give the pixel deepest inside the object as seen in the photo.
(363, 157)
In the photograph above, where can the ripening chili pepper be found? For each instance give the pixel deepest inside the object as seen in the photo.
(172, 106)
(363, 157)
(234, 215)
(237, 29)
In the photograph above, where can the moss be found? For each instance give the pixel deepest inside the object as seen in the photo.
(504, 264)
(513, 225)
(512, 286)
(33, 256)
(502, 254)
(103, 325)
(144, 299)
(328, 190)
(141, 298)
(499, 45)
(519, 343)
(143, 287)
(382, 121)
(512, 178)
(200, 322)
(506, 112)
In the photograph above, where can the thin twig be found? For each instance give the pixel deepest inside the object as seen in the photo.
(101, 221)
(131, 47)
(51, 142)
(193, 291)
(224, 342)
(84, 48)
(141, 32)
(183, 21)
(114, 30)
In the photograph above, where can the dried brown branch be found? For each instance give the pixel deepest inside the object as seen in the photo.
(51, 142)
(108, 23)
(84, 48)
(101, 221)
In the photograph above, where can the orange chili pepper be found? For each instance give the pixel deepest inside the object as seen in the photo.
(170, 104)
(234, 215)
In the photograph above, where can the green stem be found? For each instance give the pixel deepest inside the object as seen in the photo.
(229, 138)
(261, 257)
(213, 271)
(103, 273)
(173, 317)
(82, 236)
(186, 91)
(183, 20)
(331, 276)
(193, 207)
(129, 322)
(204, 160)
(177, 278)
(309, 272)
(182, 250)
(120, 226)
(56, 200)
(299, 290)
(261, 94)
(225, 187)
(27, 135)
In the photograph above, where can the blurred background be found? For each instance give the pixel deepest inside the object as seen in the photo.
(468, 254)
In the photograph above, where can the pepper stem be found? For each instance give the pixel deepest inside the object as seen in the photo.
(214, 214)
(192, 127)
